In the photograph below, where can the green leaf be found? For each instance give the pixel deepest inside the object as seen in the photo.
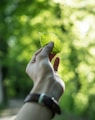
(45, 38)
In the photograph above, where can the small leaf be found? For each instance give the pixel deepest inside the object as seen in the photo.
(45, 38)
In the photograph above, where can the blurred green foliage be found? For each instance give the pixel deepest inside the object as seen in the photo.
(73, 22)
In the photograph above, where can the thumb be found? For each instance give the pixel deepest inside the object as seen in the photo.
(48, 48)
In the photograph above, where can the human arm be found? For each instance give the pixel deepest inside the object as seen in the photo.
(46, 80)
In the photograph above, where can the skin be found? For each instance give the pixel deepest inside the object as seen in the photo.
(46, 80)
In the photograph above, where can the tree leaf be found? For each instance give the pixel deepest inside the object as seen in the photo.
(45, 38)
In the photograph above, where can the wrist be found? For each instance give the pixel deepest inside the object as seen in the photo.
(51, 87)
(45, 100)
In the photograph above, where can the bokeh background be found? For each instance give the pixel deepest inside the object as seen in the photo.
(73, 21)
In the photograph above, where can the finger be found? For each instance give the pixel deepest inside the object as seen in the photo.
(34, 56)
(47, 49)
(51, 56)
(56, 63)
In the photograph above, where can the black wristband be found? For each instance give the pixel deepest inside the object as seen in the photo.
(49, 102)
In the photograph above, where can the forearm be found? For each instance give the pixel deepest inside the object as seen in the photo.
(34, 111)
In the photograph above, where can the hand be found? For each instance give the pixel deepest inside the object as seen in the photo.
(43, 74)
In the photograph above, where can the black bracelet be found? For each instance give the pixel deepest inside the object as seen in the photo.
(49, 102)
